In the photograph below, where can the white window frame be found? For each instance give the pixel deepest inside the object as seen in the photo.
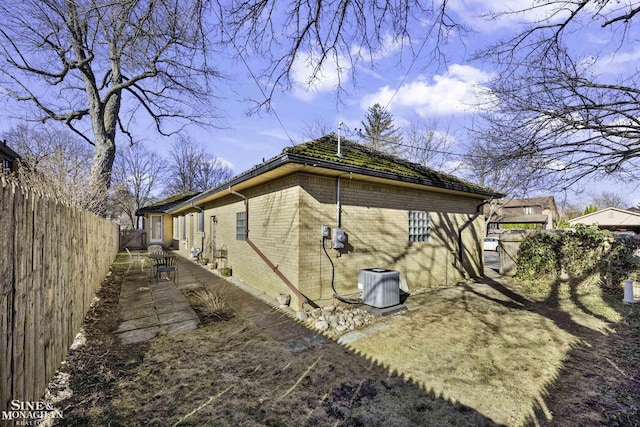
(176, 230)
(241, 225)
(201, 221)
(153, 238)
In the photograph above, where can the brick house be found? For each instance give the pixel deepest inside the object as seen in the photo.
(158, 222)
(374, 210)
(533, 212)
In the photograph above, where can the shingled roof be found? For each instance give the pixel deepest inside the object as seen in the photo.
(320, 155)
(363, 158)
(165, 205)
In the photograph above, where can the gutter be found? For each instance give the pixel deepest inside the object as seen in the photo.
(287, 158)
(267, 261)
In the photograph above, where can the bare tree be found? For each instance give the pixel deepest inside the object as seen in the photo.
(212, 171)
(315, 127)
(323, 34)
(425, 145)
(55, 163)
(137, 175)
(192, 168)
(609, 199)
(102, 65)
(481, 167)
(562, 113)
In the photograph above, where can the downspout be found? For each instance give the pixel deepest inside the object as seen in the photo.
(338, 207)
(464, 226)
(257, 250)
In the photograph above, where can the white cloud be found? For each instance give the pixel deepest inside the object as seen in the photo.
(618, 61)
(506, 14)
(390, 46)
(458, 91)
(332, 74)
(274, 132)
(220, 162)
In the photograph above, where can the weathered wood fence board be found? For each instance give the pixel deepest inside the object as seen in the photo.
(52, 260)
(133, 239)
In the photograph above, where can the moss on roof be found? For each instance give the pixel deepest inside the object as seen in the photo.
(355, 154)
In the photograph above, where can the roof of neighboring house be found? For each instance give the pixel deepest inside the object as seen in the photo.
(609, 217)
(165, 205)
(547, 202)
(7, 151)
(319, 157)
(522, 219)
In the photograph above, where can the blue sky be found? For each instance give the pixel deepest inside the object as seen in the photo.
(443, 93)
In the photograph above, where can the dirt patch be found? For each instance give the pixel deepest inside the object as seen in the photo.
(489, 356)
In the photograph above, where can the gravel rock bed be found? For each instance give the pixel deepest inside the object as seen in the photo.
(336, 319)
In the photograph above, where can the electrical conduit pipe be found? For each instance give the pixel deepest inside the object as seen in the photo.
(267, 261)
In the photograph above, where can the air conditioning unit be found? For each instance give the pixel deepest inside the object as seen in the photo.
(380, 287)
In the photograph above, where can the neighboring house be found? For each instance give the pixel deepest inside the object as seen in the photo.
(279, 222)
(535, 212)
(9, 158)
(613, 219)
(158, 223)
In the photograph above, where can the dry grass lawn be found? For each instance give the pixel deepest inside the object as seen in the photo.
(472, 354)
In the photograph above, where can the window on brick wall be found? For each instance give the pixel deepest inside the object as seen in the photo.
(419, 226)
(241, 220)
(201, 221)
(175, 228)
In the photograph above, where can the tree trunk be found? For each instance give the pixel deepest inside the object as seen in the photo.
(104, 154)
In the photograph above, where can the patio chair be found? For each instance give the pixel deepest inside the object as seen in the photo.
(154, 249)
(135, 258)
(167, 265)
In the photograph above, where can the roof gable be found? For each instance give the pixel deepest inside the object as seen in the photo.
(609, 217)
(166, 204)
(546, 202)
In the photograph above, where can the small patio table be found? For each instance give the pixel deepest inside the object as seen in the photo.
(163, 262)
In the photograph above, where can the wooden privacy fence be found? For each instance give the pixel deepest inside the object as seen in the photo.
(52, 260)
(133, 239)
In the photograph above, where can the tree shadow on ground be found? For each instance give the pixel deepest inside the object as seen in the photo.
(234, 373)
(597, 383)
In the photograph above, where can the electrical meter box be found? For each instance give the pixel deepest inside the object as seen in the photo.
(326, 232)
(338, 239)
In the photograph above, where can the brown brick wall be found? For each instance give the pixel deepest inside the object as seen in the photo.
(285, 219)
(273, 228)
(375, 218)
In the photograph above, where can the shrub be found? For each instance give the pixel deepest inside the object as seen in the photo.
(579, 252)
(538, 255)
(211, 304)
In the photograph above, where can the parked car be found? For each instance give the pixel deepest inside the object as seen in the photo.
(490, 244)
(625, 234)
